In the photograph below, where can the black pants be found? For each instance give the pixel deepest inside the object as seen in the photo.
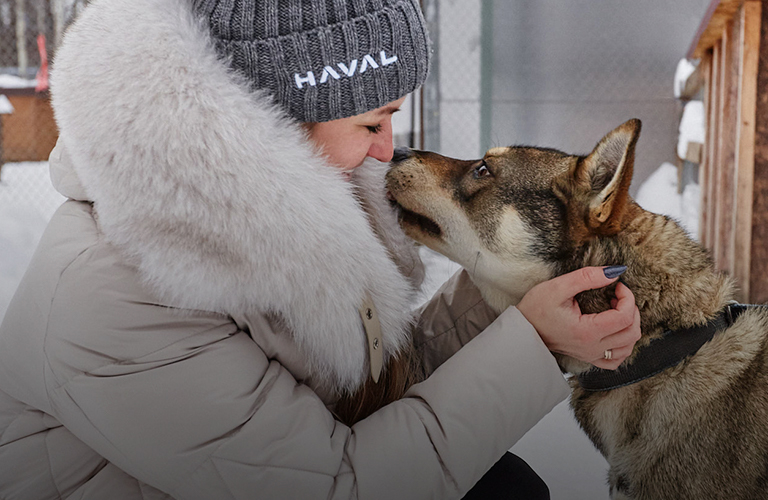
(509, 479)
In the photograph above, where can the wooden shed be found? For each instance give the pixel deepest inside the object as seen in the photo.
(732, 45)
(29, 132)
(31, 31)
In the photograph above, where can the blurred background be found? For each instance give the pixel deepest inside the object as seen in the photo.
(554, 73)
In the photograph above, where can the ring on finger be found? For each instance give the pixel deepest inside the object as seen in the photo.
(608, 354)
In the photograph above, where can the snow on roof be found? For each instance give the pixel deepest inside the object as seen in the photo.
(659, 194)
(692, 127)
(685, 68)
(15, 82)
(6, 108)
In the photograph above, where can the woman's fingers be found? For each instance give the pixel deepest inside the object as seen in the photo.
(616, 319)
(571, 284)
(621, 345)
(618, 355)
(552, 309)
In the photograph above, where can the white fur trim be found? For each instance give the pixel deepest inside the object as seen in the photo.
(215, 195)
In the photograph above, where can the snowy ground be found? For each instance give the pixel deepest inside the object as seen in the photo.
(556, 448)
(27, 202)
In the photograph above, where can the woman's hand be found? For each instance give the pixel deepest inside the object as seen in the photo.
(552, 309)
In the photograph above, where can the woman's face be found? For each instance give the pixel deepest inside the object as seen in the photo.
(349, 141)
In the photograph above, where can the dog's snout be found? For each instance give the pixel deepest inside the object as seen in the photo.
(401, 154)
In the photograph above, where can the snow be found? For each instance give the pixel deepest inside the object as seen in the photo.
(556, 448)
(659, 194)
(685, 68)
(692, 127)
(15, 82)
(27, 202)
(6, 108)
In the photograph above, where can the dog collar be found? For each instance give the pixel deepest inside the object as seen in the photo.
(661, 353)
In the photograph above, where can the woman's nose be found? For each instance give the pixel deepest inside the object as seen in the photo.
(382, 148)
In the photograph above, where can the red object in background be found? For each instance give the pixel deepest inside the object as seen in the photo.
(42, 73)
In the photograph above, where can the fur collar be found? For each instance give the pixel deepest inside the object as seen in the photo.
(215, 196)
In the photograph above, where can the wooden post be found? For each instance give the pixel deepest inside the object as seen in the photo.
(21, 41)
(40, 11)
(704, 168)
(713, 132)
(728, 100)
(57, 12)
(745, 160)
(733, 44)
(757, 273)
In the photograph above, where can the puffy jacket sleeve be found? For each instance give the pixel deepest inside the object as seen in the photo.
(193, 407)
(455, 315)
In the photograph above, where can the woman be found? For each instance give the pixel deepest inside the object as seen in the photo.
(196, 320)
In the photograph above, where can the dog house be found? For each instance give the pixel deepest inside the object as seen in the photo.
(28, 132)
(732, 46)
(31, 29)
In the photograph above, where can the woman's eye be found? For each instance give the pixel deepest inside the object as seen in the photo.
(374, 129)
(481, 171)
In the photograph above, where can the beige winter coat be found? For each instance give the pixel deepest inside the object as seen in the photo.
(192, 312)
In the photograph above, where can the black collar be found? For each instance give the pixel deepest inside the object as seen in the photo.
(662, 353)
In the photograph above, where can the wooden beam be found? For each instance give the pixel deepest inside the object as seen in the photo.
(704, 175)
(21, 41)
(758, 269)
(729, 104)
(749, 56)
(717, 16)
(57, 12)
(725, 148)
(713, 131)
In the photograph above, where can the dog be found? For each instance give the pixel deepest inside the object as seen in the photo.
(686, 415)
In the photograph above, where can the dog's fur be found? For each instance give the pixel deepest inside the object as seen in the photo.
(522, 215)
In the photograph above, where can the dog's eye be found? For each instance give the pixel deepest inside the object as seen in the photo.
(481, 171)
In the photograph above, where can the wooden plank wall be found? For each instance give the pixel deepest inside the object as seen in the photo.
(758, 264)
(728, 100)
(30, 132)
(734, 170)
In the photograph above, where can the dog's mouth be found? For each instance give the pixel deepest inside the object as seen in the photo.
(410, 218)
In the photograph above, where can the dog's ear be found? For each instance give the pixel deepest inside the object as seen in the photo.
(602, 179)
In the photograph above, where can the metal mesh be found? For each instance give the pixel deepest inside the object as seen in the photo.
(22, 21)
(30, 31)
(556, 74)
(26, 185)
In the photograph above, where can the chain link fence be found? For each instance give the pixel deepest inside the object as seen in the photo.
(30, 31)
(556, 74)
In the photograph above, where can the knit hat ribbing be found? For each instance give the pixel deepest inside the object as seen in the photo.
(323, 60)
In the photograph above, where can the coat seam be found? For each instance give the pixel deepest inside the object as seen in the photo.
(48, 320)
(50, 466)
(444, 467)
(268, 466)
(453, 327)
(92, 372)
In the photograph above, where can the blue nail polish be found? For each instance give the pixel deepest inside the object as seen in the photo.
(614, 271)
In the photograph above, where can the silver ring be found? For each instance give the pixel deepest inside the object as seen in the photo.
(608, 354)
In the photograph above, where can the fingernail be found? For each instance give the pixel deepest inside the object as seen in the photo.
(614, 271)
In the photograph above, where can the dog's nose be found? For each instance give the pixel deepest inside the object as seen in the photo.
(401, 154)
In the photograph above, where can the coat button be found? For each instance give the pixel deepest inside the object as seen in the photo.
(376, 342)
(368, 313)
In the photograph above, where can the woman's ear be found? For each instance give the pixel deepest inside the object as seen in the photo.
(604, 176)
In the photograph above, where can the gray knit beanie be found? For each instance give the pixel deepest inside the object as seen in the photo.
(323, 59)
